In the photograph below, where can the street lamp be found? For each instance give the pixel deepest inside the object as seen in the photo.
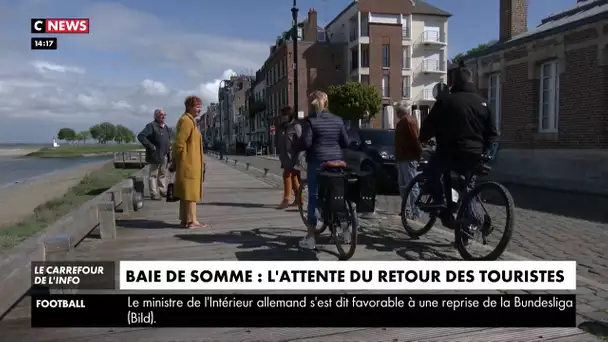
(294, 37)
(221, 120)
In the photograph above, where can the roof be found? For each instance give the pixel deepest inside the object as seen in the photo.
(580, 14)
(423, 8)
(420, 7)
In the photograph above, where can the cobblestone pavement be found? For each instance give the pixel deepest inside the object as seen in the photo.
(549, 225)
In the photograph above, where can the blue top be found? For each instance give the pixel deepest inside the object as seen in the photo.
(323, 137)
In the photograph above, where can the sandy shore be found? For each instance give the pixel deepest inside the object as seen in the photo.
(16, 152)
(19, 200)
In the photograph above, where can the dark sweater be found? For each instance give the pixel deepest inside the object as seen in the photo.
(323, 137)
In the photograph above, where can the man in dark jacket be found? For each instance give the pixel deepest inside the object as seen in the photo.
(289, 131)
(323, 138)
(156, 138)
(464, 129)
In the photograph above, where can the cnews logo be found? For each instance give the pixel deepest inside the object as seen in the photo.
(74, 25)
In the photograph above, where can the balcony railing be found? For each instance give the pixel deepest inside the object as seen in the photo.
(432, 65)
(430, 37)
(427, 95)
(405, 33)
(407, 92)
(407, 63)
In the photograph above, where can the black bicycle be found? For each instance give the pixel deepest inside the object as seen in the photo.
(336, 207)
(468, 221)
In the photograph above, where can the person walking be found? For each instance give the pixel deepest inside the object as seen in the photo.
(188, 157)
(288, 133)
(408, 151)
(156, 139)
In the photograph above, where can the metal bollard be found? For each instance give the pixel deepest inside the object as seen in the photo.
(266, 172)
(247, 166)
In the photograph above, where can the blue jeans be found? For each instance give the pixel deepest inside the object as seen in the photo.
(407, 171)
(311, 181)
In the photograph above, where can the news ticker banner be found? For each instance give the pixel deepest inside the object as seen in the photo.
(304, 310)
(309, 275)
(55, 26)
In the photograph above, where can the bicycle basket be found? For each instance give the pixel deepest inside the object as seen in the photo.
(331, 191)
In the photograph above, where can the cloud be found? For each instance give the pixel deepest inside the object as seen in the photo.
(44, 67)
(150, 66)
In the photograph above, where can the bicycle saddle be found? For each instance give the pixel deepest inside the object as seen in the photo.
(335, 164)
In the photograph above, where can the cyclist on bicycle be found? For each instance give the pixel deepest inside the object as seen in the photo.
(464, 129)
(323, 139)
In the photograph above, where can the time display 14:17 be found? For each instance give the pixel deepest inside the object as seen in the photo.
(47, 43)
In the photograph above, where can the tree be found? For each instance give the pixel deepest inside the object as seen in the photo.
(84, 136)
(66, 134)
(95, 131)
(123, 134)
(354, 101)
(473, 51)
(107, 132)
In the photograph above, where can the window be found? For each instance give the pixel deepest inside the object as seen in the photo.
(321, 35)
(406, 87)
(365, 56)
(354, 63)
(549, 97)
(405, 31)
(406, 57)
(494, 97)
(385, 56)
(385, 86)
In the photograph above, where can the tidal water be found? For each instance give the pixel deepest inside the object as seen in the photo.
(17, 169)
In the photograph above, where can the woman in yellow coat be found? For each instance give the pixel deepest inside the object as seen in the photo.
(188, 156)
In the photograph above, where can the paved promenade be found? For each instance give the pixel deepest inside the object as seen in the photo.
(239, 205)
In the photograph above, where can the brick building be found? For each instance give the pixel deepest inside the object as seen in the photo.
(399, 46)
(320, 64)
(548, 88)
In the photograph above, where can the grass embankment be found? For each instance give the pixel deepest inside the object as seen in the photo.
(93, 184)
(74, 151)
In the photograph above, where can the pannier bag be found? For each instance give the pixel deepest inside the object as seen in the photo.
(331, 191)
(363, 192)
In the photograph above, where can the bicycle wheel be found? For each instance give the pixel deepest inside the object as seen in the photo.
(417, 228)
(472, 224)
(344, 231)
(303, 209)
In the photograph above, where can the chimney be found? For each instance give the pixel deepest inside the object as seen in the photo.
(513, 18)
(310, 33)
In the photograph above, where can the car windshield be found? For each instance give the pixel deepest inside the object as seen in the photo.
(378, 138)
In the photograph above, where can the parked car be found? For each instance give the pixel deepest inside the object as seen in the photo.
(374, 150)
(252, 148)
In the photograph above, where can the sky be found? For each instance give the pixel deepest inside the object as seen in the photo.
(142, 54)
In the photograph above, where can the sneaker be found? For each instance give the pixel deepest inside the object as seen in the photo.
(345, 233)
(469, 231)
(308, 243)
